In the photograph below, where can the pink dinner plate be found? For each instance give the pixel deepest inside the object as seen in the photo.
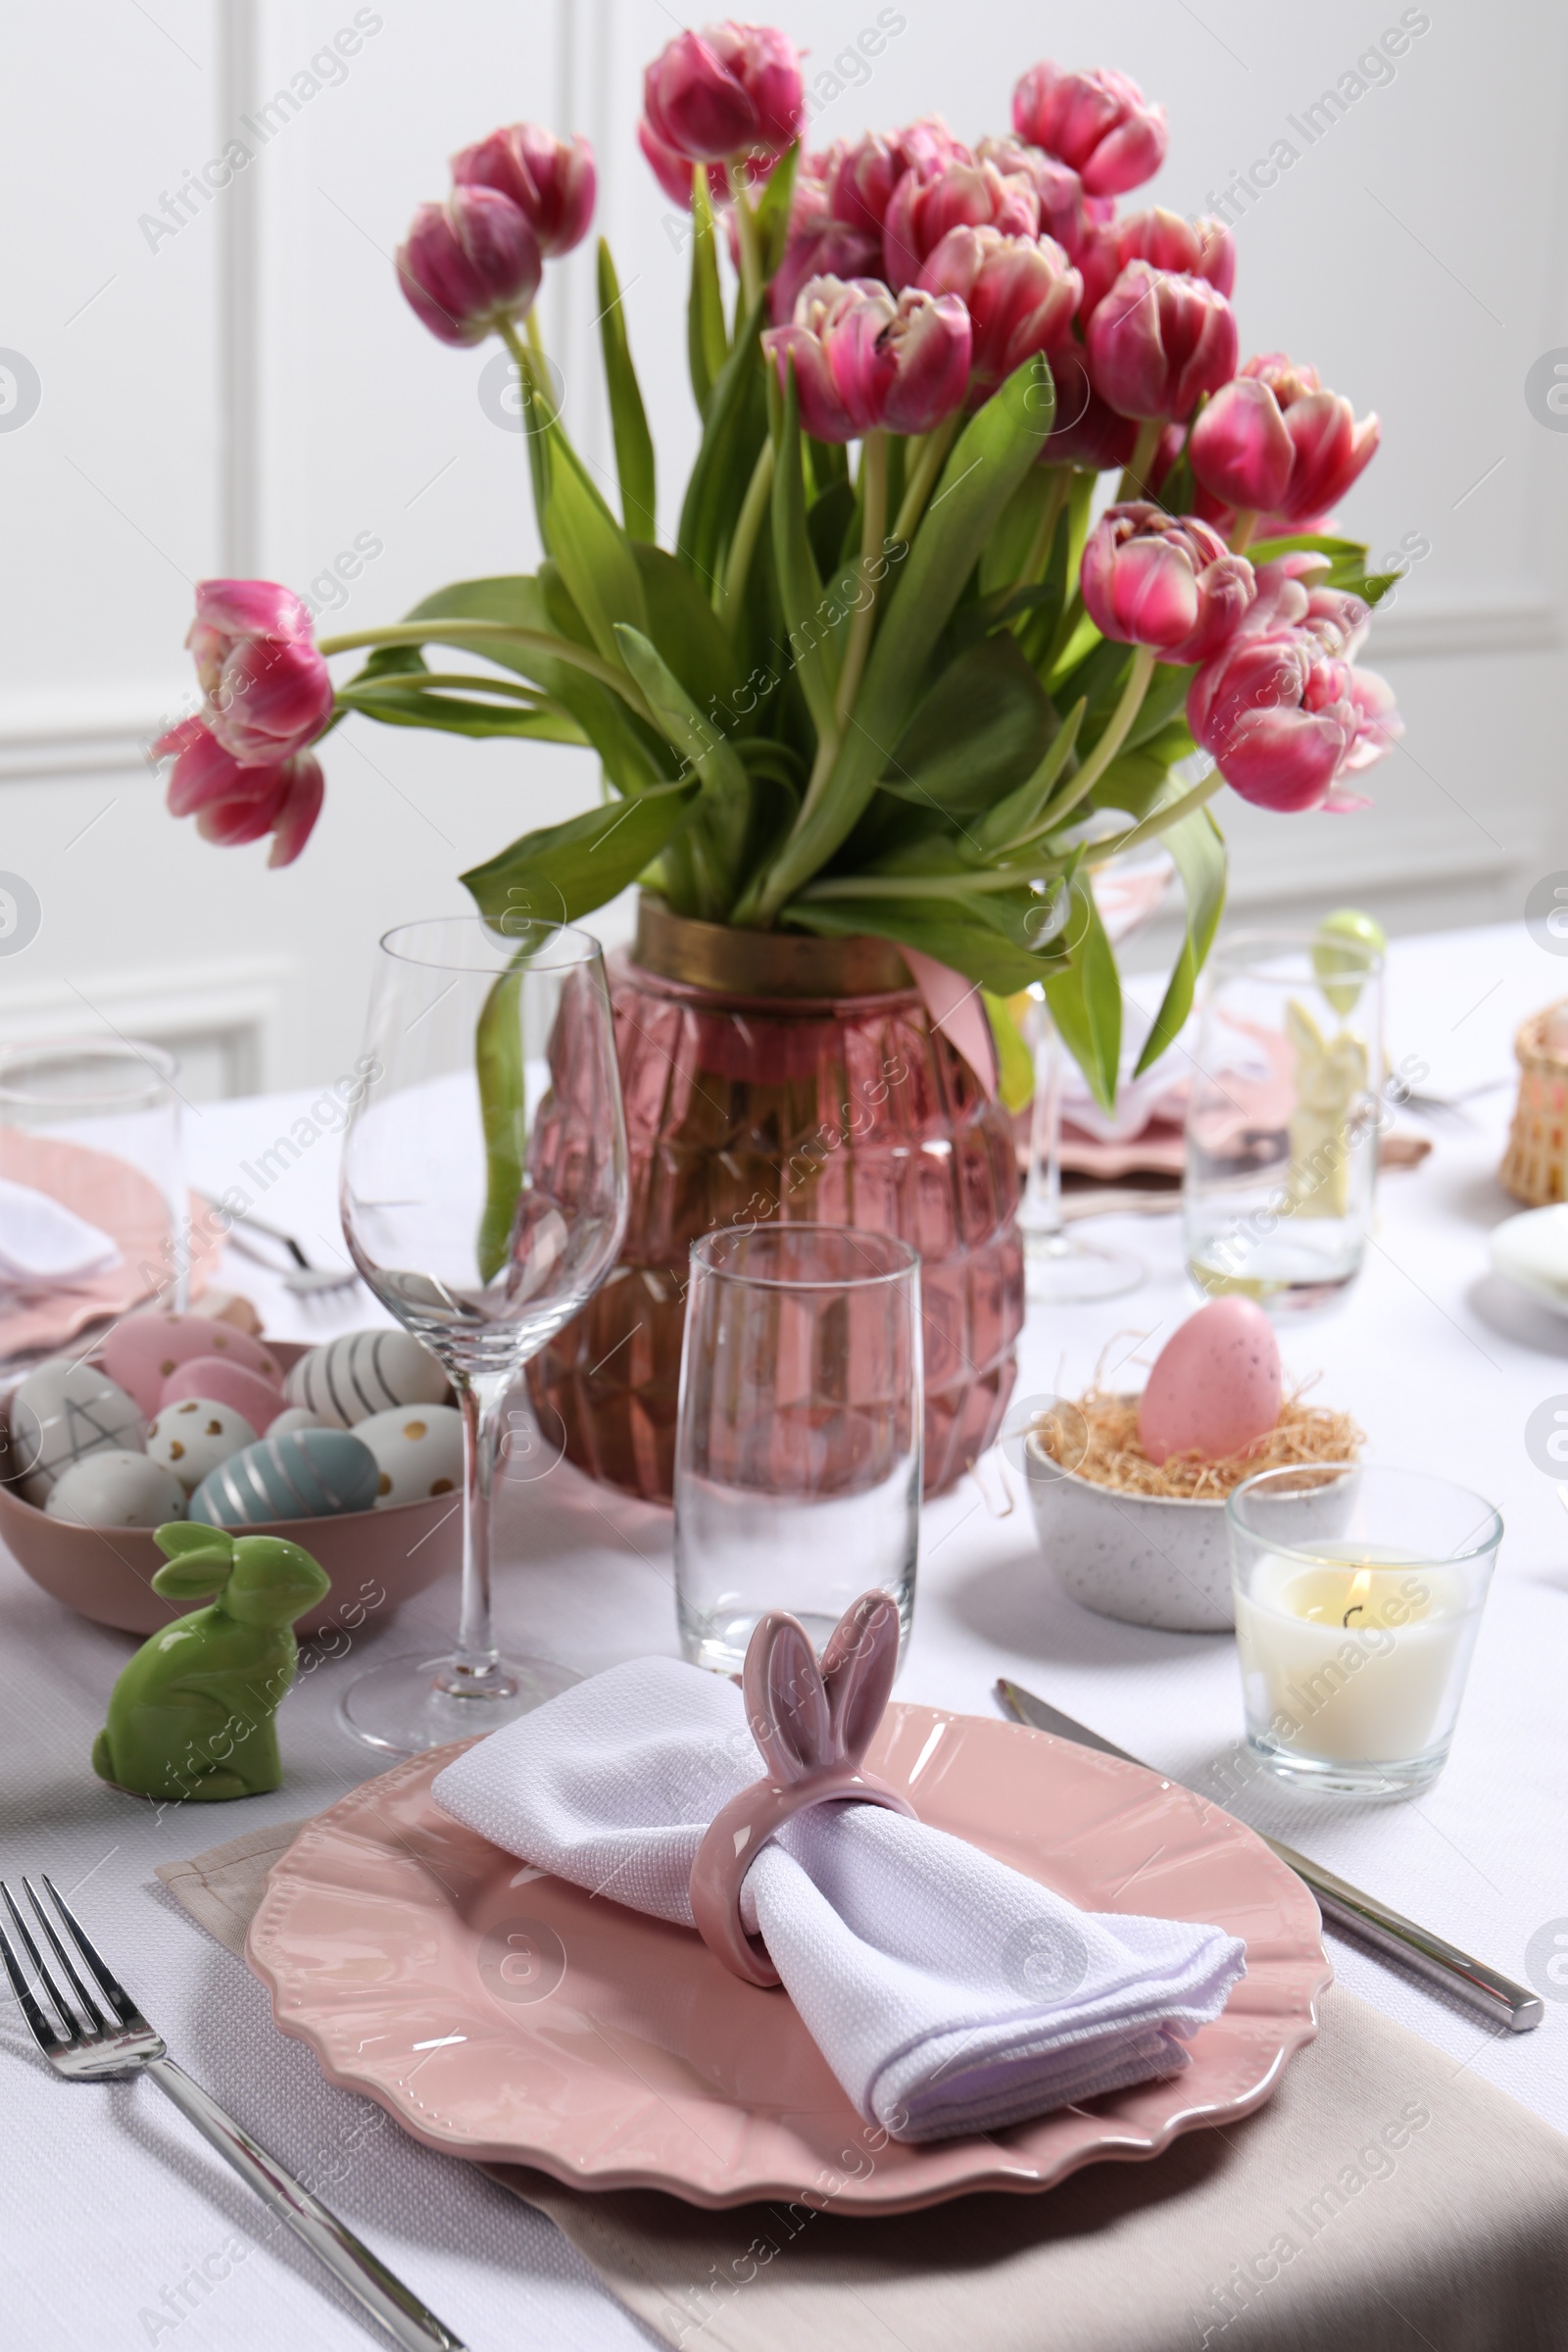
(504, 2016)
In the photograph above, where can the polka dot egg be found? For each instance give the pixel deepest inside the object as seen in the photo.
(194, 1435)
(418, 1449)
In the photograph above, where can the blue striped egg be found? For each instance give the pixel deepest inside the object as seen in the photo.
(305, 1474)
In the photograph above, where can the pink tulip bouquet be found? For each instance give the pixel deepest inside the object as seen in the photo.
(901, 669)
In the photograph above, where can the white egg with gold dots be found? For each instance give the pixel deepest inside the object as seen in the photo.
(194, 1435)
(418, 1449)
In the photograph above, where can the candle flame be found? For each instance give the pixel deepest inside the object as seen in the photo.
(1361, 1587)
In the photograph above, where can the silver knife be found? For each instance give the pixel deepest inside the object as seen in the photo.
(1343, 1906)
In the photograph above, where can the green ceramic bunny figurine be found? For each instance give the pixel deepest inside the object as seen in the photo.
(191, 1716)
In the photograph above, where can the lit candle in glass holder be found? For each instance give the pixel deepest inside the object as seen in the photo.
(1354, 1647)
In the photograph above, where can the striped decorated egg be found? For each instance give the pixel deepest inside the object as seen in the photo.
(366, 1372)
(306, 1474)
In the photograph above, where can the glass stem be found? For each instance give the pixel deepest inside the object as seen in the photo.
(475, 1668)
(1042, 1201)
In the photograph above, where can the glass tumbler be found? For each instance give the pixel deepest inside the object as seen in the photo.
(95, 1124)
(1283, 1118)
(1359, 1598)
(798, 1441)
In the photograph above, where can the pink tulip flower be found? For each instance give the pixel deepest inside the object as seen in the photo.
(550, 180)
(864, 173)
(1156, 579)
(1278, 433)
(1241, 451)
(1056, 185)
(1381, 725)
(1157, 341)
(864, 360)
(269, 692)
(922, 210)
(234, 802)
(1331, 449)
(674, 173)
(1284, 718)
(819, 243)
(1098, 123)
(469, 264)
(729, 91)
(1020, 293)
(831, 250)
(1201, 248)
(1086, 432)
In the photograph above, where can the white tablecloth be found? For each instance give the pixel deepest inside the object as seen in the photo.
(113, 2205)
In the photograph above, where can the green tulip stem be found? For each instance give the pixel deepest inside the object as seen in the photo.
(1134, 483)
(1241, 534)
(419, 681)
(746, 231)
(1158, 821)
(933, 450)
(531, 364)
(1045, 538)
(1114, 734)
(931, 886)
(873, 530)
(743, 544)
(480, 636)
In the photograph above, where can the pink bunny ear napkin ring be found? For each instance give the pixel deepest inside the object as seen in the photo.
(812, 1725)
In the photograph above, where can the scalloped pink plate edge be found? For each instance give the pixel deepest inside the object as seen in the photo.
(502, 2016)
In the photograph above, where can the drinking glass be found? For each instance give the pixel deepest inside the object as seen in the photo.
(484, 1200)
(1283, 1119)
(1060, 1266)
(94, 1124)
(1358, 1599)
(797, 1439)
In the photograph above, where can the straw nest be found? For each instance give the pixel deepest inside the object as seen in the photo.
(1098, 1438)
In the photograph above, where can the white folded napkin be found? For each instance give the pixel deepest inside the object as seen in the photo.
(43, 1242)
(947, 1992)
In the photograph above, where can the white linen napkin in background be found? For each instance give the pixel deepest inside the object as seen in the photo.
(42, 1242)
(947, 1992)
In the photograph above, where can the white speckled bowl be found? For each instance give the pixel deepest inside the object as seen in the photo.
(1139, 1557)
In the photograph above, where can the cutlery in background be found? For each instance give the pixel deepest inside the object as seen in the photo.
(1343, 1907)
(105, 2038)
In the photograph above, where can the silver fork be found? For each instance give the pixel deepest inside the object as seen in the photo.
(105, 2038)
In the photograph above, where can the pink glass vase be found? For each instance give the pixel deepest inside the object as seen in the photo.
(771, 1075)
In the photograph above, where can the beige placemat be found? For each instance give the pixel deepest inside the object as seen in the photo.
(1384, 2199)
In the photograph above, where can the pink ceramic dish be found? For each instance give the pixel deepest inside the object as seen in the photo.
(502, 2015)
(123, 1204)
(376, 1560)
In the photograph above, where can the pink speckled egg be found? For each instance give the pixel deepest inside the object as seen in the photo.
(1215, 1385)
(143, 1351)
(214, 1380)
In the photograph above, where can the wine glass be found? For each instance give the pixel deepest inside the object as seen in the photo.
(1060, 1267)
(484, 1200)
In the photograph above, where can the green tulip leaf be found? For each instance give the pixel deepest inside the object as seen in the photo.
(629, 419)
(982, 731)
(1198, 852)
(563, 871)
(707, 339)
(1085, 998)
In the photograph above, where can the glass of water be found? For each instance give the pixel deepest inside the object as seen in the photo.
(798, 1442)
(1283, 1117)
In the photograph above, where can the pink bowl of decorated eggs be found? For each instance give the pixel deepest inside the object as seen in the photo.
(352, 1450)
